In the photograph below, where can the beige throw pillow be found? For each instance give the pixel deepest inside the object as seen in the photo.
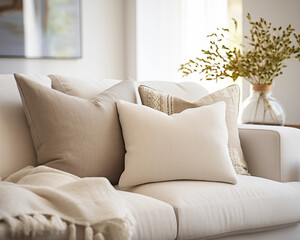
(189, 145)
(76, 135)
(170, 104)
(84, 88)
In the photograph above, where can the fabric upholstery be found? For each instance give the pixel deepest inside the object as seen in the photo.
(81, 87)
(76, 135)
(289, 231)
(16, 148)
(272, 152)
(265, 158)
(155, 219)
(189, 91)
(206, 209)
(189, 145)
(171, 104)
(90, 87)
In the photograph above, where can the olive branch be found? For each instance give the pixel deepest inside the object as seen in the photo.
(259, 60)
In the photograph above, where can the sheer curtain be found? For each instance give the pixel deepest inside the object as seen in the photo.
(170, 32)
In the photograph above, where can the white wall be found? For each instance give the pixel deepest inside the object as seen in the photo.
(103, 46)
(287, 86)
(130, 39)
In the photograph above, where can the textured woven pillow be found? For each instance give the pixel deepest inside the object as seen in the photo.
(188, 145)
(170, 104)
(73, 134)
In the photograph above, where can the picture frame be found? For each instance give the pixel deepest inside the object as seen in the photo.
(40, 29)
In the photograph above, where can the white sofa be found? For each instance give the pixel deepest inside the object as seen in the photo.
(263, 206)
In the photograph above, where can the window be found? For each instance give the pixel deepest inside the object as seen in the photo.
(170, 32)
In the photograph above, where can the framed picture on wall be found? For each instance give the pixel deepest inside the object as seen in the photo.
(40, 28)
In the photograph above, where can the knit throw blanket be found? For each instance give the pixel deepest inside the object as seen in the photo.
(36, 200)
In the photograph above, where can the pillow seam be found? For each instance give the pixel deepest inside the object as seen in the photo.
(29, 113)
(61, 84)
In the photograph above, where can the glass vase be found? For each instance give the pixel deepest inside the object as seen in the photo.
(262, 108)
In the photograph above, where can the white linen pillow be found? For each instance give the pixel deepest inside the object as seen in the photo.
(191, 145)
(230, 95)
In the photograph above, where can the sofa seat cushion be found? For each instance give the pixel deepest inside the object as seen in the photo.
(206, 209)
(154, 219)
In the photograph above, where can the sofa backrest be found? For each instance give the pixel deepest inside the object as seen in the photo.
(16, 147)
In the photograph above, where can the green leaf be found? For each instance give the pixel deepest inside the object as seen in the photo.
(235, 24)
(249, 16)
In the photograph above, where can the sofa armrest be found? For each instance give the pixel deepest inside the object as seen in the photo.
(272, 152)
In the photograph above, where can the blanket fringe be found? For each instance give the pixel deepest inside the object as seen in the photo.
(72, 231)
(43, 222)
(88, 233)
(114, 228)
(31, 225)
(57, 223)
(99, 236)
(15, 226)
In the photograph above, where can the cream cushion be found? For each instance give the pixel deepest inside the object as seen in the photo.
(171, 104)
(16, 148)
(210, 209)
(155, 219)
(189, 91)
(188, 145)
(90, 87)
(76, 135)
(81, 87)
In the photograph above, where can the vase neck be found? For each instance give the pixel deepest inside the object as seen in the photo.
(262, 88)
